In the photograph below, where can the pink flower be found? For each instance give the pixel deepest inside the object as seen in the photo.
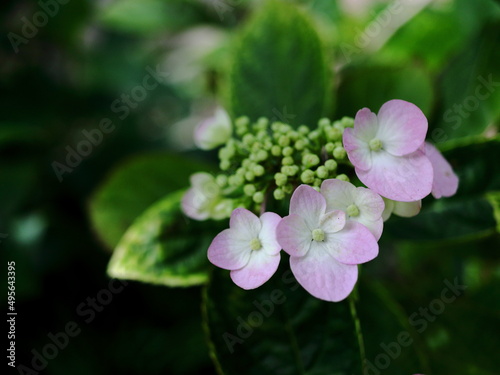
(445, 183)
(248, 248)
(385, 150)
(214, 131)
(360, 204)
(324, 248)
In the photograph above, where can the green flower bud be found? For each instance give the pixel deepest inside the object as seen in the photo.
(342, 177)
(333, 134)
(317, 182)
(310, 160)
(293, 135)
(258, 197)
(240, 171)
(221, 180)
(275, 127)
(322, 172)
(324, 122)
(262, 135)
(347, 122)
(276, 150)
(278, 194)
(249, 190)
(262, 123)
(246, 163)
(284, 128)
(331, 165)
(249, 176)
(226, 153)
(314, 135)
(290, 170)
(287, 151)
(283, 141)
(288, 160)
(329, 147)
(242, 121)
(236, 180)
(248, 139)
(261, 155)
(288, 188)
(300, 144)
(280, 179)
(224, 165)
(307, 177)
(339, 153)
(303, 129)
(258, 170)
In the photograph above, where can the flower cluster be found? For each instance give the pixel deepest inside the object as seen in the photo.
(332, 225)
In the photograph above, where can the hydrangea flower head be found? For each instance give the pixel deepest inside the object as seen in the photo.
(324, 247)
(249, 248)
(360, 204)
(385, 150)
(214, 131)
(445, 183)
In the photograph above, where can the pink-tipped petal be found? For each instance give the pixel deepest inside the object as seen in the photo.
(309, 204)
(293, 235)
(401, 178)
(267, 235)
(371, 205)
(245, 223)
(358, 151)
(352, 245)
(365, 125)
(229, 251)
(259, 269)
(407, 209)
(322, 276)
(402, 127)
(445, 180)
(338, 194)
(333, 221)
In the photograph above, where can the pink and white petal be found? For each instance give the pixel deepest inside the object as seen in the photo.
(309, 204)
(193, 205)
(376, 227)
(402, 127)
(389, 207)
(245, 223)
(338, 194)
(260, 268)
(229, 251)
(370, 204)
(407, 209)
(445, 180)
(333, 221)
(400, 178)
(267, 235)
(358, 151)
(354, 244)
(365, 125)
(293, 235)
(324, 277)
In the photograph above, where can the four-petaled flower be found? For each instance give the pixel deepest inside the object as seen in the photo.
(360, 204)
(324, 247)
(248, 248)
(387, 151)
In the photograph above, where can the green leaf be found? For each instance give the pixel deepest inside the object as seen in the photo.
(163, 247)
(371, 86)
(468, 214)
(470, 89)
(279, 70)
(494, 200)
(278, 328)
(134, 186)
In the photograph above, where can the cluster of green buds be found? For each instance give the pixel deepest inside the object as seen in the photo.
(264, 158)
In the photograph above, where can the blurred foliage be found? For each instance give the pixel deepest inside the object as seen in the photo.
(303, 58)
